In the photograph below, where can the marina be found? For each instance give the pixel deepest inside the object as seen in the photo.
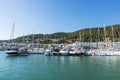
(100, 47)
(59, 40)
(75, 49)
(105, 46)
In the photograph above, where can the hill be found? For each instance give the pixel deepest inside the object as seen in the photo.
(62, 37)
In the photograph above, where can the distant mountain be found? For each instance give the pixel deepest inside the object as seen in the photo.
(3, 40)
(63, 37)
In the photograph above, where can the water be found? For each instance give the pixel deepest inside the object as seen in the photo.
(40, 67)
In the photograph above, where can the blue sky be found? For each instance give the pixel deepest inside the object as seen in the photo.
(49, 16)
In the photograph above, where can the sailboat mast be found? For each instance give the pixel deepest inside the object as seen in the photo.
(105, 36)
(80, 36)
(38, 38)
(23, 38)
(91, 38)
(38, 43)
(27, 37)
(13, 32)
(33, 39)
(98, 37)
(80, 39)
(112, 35)
(104, 31)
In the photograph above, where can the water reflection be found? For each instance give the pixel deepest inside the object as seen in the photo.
(63, 59)
(60, 67)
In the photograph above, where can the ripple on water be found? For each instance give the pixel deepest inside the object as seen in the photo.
(40, 67)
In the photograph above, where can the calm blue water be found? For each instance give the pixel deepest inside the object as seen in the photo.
(40, 67)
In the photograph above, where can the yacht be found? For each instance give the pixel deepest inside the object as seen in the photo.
(23, 51)
(12, 51)
(64, 52)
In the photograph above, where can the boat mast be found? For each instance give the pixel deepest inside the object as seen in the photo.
(80, 39)
(105, 36)
(80, 36)
(27, 37)
(90, 38)
(112, 36)
(98, 37)
(12, 34)
(38, 42)
(104, 31)
(38, 39)
(23, 38)
(33, 39)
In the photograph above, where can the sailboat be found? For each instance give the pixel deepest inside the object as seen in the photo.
(90, 52)
(12, 48)
(115, 50)
(109, 50)
(23, 51)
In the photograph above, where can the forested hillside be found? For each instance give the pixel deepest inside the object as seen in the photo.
(63, 37)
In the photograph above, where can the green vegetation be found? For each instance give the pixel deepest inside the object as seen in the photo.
(62, 37)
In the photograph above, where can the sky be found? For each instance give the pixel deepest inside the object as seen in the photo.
(50, 16)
